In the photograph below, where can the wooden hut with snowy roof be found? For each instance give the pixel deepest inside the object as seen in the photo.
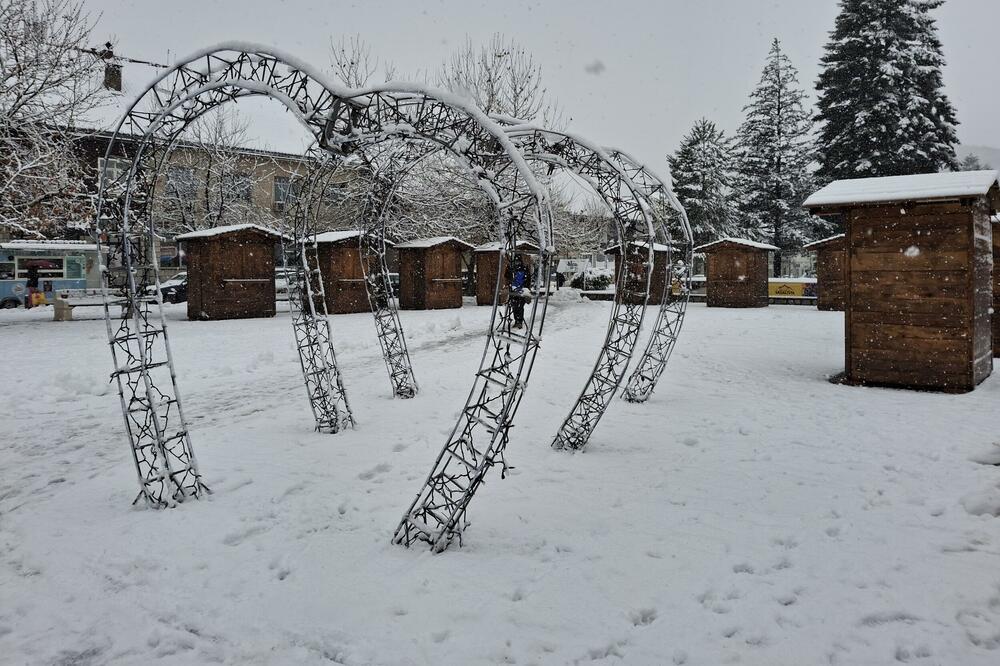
(831, 272)
(430, 273)
(919, 292)
(230, 272)
(339, 257)
(489, 267)
(635, 260)
(736, 273)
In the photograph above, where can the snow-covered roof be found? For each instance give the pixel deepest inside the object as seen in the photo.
(496, 245)
(657, 247)
(738, 241)
(83, 246)
(431, 242)
(337, 236)
(218, 231)
(817, 244)
(892, 189)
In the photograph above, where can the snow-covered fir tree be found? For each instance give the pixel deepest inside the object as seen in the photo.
(774, 148)
(882, 105)
(702, 170)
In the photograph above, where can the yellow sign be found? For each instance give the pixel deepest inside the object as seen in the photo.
(790, 288)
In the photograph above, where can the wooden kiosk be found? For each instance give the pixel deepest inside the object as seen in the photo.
(661, 256)
(996, 285)
(430, 273)
(831, 272)
(736, 273)
(339, 255)
(230, 272)
(488, 266)
(918, 276)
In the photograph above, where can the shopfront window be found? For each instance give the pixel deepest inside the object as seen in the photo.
(49, 268)
(76, 268)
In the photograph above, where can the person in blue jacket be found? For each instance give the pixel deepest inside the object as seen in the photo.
(519, 291)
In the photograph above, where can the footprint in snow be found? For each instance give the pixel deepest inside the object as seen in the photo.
(381, 468)
(236, 538)
(642, 616)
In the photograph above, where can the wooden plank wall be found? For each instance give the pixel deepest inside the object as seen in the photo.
(996, 289)
(443, 277)
(982, 294)
(737, 278)
(487, 265)
(911, 310)
(247, 256)
(411, 279)
(635, 260)
(831, 276)
(344, 278)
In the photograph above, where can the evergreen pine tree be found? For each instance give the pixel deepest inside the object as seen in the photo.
(702, 177)
(775, 149)
(881, 104)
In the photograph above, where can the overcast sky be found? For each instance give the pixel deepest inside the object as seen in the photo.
(630, 74)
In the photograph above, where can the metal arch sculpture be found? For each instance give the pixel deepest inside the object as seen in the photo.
(372, 241)
(343, 121)
(634, 219)
(151, 404)
(308, 304)
(670, 317)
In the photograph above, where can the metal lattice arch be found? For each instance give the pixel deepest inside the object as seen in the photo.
(633, 215)
(438, 510)
(342, 121)
(674, 230)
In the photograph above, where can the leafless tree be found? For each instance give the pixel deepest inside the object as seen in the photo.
(353, 63)
(439, 197)
(49, 80)
(501, 77)
(212, 176)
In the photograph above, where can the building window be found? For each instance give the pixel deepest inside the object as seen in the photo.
(76, 268)
(334, 192)
(238, 186)
(284, 193)
(181, 183)
(171, 256)
(118, 168)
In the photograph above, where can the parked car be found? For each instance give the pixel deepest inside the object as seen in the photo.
(281, 282)
(177, 292)
(173, 290)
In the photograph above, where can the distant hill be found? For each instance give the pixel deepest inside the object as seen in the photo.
(986, 154)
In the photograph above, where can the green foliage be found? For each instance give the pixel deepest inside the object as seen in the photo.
(882, 105)
(597, 282)
(702, 170)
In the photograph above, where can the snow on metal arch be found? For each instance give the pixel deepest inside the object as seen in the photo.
(158, 433)
(634, 219)
(670, 317)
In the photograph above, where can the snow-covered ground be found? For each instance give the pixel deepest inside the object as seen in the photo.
(751, 512)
